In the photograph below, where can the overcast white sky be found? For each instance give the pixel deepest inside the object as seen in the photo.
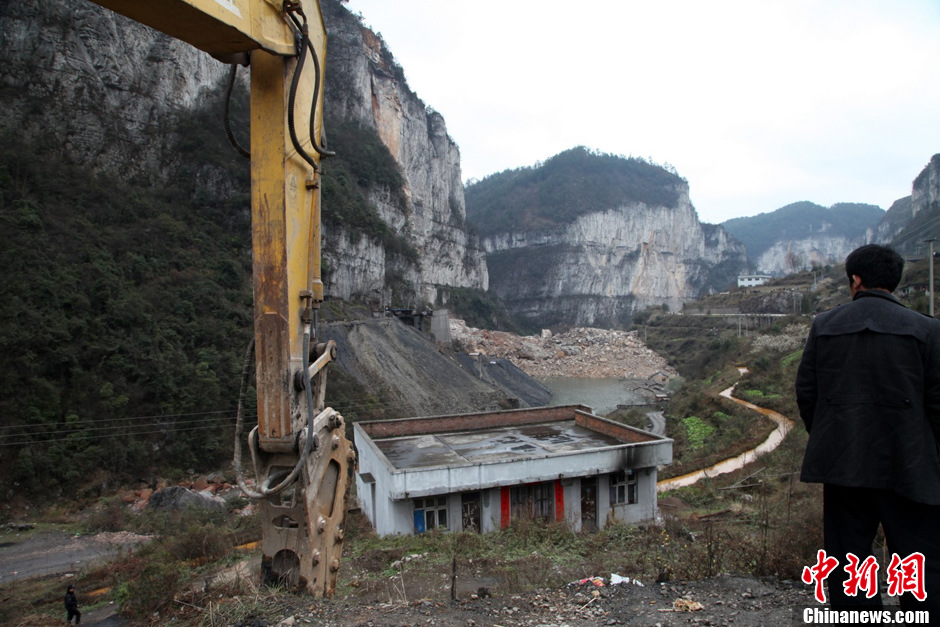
(758, 103)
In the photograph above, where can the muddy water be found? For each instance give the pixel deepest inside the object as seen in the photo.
(776, 436)
(601, 394)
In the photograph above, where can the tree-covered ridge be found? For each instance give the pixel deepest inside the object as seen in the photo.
(802, 220)
(122, 311)
(571, 184)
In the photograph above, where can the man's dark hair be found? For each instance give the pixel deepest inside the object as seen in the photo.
(879, 267)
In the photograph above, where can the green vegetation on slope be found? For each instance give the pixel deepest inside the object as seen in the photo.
(123, 310)
(362, 162)
(479, 309)
(571, 184)
(126, 309)
(800, 220)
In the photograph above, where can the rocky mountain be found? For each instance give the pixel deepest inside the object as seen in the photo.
(803, 234)
(914, 218)
(895, 220)
(588, 239)
(102, 89)
(107, 92)
(367, 87)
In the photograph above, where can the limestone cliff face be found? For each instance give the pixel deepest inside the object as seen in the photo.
(786, 257)
(894, 221)
(108, 91)
(803, 234)
(369, 87)
(926, 190)
(600, 269)
(913, 219)
(99, 85)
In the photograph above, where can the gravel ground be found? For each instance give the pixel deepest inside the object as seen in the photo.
(723, 600)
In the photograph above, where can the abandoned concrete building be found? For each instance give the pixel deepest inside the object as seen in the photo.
(481, 471)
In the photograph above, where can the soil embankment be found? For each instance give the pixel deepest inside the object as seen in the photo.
(419, 378)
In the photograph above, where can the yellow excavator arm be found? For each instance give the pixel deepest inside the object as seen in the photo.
(300, 452)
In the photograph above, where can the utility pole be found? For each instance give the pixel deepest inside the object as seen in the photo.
(930, 289)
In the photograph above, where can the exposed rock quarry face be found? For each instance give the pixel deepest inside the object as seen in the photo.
(374, 93)
(107, 89)
(606, 265)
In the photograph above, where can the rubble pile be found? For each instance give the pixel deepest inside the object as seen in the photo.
(211, 490)
(580, 352)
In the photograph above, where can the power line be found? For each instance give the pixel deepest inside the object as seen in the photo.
(104, 437)
(137, 418)
(354, 403)
(73, 432)
(68, 429)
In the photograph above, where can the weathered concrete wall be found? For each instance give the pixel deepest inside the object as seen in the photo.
(388, 501)
(397, 516)
(440, 326)
(468, 422)
(623, 433)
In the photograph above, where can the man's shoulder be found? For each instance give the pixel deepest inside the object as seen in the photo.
(880, 312)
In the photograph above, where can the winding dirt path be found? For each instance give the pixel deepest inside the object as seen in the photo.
(776, 436)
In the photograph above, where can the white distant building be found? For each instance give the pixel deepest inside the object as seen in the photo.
(752, 280)
(481, 471)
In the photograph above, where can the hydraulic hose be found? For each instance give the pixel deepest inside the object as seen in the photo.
(309, 444)
(227, 119)
(305, 46)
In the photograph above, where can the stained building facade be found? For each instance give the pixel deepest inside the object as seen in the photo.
(482, 471)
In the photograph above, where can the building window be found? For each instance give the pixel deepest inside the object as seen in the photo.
(623, 487)
(470, 511)
(430, 513)
(533, 501)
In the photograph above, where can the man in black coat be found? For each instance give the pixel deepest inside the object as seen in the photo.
(71, 606)
(868, 389)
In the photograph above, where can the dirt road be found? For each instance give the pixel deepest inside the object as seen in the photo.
(35, 553)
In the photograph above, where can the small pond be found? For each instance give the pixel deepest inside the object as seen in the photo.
(602, 394)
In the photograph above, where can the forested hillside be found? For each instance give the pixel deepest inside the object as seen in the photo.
(123, 316)
(803, 220)
(571, 184)
(126, 307)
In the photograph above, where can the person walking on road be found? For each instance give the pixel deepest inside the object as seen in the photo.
(71, 606)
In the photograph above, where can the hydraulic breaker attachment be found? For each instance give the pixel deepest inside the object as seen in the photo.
(303, 525)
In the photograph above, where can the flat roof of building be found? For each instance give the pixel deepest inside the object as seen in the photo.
(491, 445)
(497, 437)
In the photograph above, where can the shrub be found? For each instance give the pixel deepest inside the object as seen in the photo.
(153, 588)
(698, 431)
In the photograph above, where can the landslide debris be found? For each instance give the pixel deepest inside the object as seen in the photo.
(580, 352)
